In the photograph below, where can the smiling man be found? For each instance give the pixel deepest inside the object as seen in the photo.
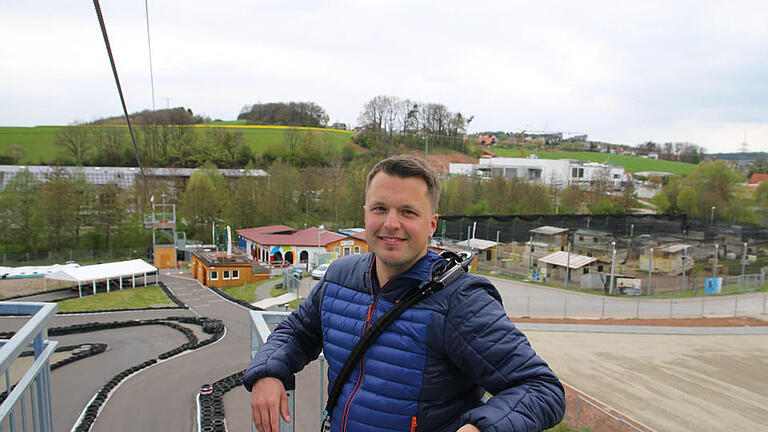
(430, 368)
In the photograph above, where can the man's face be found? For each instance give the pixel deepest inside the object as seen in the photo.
(398, 222)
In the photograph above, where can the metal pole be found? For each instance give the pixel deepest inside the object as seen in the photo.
(650, 270)
(568, 266)
(565, 307)
(685, 256)
(613, 263)
(496, 258)
(743, 264)
(735, 305)
(702, 305)
(530, 252)
(602, 310)
(637, 308)
(714, 266)
(671, 304)
(528, 307)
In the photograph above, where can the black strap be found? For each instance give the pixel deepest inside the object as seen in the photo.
(456, 265)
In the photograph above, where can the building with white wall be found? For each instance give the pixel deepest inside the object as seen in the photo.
(559, 171)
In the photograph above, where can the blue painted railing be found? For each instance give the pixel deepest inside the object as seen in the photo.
(27, 405)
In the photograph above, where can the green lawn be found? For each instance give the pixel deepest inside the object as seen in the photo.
(38, 141)
(631, 163)
(128, 298)
(246, 292)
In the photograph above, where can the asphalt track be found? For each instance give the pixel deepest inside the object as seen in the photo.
(162, 397)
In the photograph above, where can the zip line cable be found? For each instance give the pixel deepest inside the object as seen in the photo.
(120, 90)
(149, 47)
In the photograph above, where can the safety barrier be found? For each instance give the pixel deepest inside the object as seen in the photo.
(28, 404)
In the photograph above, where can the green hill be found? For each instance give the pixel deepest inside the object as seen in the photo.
(631, 164)
(39, 140)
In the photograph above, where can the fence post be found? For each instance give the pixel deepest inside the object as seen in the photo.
(619, 429)
(565, 307)
(671, 303)
(528, 307)
(602, 310)
(735, 305)
(702, 304)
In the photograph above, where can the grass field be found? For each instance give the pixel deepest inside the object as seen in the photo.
(631, 164)
(245, 292)
(39, 140)
(129, 298)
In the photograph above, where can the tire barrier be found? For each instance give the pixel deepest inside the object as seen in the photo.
(242, 303)
(83, 351)
(211, 412)
(211, 326)
(171, 295)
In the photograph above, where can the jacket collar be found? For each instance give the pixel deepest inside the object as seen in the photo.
(421, 270)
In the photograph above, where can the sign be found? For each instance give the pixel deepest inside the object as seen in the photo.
(629, 286)
(713, 286)
(347, 242)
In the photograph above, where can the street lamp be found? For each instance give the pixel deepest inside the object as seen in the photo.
(712, 215)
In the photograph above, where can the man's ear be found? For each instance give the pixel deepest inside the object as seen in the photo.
(433, 224)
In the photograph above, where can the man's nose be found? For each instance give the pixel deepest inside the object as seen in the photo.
(392, 219)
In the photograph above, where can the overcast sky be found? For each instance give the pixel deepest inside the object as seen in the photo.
(623, 72)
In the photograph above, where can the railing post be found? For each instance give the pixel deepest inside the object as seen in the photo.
(578, 410)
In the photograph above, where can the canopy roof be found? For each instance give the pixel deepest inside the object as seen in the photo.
(561, 259)
(112, 270)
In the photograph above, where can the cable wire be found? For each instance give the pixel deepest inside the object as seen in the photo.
(119, 88)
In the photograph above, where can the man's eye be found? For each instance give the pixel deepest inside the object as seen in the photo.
(378, 209)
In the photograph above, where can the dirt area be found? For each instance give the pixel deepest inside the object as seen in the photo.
(441, 162)
(25, 286)
(675, 322)
(669, 383)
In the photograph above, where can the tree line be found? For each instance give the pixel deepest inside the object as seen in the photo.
(307, 114)
(389, 121)
(65, 212)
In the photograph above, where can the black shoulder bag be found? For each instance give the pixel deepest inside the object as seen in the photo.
(456, 265)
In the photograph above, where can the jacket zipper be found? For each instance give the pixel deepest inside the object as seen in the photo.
(368, 318)
(414, 423)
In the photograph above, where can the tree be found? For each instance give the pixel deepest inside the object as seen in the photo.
(686, 200)
(571, 200)
(20, 212)
(108, 212)
(307, 114)
(74, 141)
(59, 207)
(761, 199)
(205, 200)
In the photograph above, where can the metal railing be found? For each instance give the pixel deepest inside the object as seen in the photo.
(260, 331)
(27, 405)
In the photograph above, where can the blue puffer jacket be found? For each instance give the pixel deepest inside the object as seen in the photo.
(429, 369)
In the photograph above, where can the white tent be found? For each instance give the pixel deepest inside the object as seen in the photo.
(105, 272)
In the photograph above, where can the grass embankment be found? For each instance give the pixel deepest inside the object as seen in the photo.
(278, 291)
(631, 164)
(39, 140)
(246, 292)
(128, 298)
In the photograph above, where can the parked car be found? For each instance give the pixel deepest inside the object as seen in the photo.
(319, 271)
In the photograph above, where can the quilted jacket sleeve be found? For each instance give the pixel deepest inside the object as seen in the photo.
(296, 341)
(487, 347)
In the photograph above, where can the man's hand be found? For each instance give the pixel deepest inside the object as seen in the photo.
(268, 402)
(468, 428)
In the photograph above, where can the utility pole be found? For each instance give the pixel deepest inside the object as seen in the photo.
(168, 102)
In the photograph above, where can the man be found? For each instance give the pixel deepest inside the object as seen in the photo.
(430, 368)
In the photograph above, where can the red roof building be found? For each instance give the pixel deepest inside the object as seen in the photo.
(758, 178)
(279, 246)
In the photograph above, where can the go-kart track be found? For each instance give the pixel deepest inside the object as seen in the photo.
(702, 379)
